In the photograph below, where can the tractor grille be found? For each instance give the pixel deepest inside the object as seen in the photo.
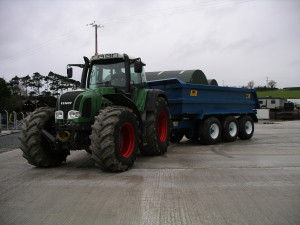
(87, 106)
(77, 103)
(67, 101)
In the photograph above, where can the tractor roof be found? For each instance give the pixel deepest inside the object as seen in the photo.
(109, 56)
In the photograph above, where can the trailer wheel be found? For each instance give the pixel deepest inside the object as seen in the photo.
(115, 139)
(230, 129)
(210, 131)
(36, 149)
(157, 129)
(176, 137)
(246, 127)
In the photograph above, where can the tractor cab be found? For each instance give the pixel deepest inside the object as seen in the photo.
(112, 70)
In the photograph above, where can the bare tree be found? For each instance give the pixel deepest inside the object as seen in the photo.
(250, 84)
(272, 84)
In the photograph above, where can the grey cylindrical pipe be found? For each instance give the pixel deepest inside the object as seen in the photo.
(188, 76)
(212, 82)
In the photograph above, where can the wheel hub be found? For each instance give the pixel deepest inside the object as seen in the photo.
(214, 131)
(126, 140)
(162, 126)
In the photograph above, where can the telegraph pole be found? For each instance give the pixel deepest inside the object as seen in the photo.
(93, 24)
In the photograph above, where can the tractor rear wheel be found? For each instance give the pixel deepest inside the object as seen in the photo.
(115, 139)
(157, 129)
(36, 149)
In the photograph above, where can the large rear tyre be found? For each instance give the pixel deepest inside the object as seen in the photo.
(36, 149)
(210, 131)
(246, 127)
(157, 129)
(115, 139)
(230, 129)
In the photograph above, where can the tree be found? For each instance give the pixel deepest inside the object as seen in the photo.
(272, 84)
(36, 82)
(60, 83)
(25, 82)
(14, 85)
(32, 93)
(250, 84)
(4, 92)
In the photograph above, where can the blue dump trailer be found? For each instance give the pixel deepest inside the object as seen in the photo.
(209, 113)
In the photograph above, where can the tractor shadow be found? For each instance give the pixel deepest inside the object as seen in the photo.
(197, 145)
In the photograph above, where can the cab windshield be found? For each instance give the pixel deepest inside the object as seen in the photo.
(107, 75)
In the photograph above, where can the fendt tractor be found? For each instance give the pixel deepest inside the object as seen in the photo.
(111, 116)
(116, 112)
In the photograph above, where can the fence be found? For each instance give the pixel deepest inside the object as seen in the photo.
(11, 121)
(280, 114)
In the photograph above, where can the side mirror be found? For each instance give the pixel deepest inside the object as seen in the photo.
(70, 72)
(138, 67)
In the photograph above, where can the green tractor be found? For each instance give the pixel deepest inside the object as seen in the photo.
(111, 116)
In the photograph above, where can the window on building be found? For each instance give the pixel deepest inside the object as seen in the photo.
(273, 101)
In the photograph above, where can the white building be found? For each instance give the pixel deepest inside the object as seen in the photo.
(272, 103)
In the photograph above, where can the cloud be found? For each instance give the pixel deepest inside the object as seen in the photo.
(234, 41)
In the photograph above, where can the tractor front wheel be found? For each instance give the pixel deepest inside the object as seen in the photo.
(115, 139)
(36, 149)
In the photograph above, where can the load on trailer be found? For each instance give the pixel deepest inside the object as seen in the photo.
(211, 113)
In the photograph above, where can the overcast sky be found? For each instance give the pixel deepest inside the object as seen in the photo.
(232, 41)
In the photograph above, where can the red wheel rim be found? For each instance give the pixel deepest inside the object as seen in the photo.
(162, 126)
(126, 140)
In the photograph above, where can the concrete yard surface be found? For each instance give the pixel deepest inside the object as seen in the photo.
(244, 182)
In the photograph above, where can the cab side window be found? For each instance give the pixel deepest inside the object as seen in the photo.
(139, 79)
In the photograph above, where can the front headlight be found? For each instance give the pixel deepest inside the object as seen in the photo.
(59, 115)
(73, 114)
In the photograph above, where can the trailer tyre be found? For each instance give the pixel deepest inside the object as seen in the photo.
(230, 129)
(246, 127)
(115, 139)
(157, 129)
(36, 149)
(210, 131)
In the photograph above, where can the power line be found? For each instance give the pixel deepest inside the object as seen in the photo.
(35, 49)
(127, 19)
(173, 11)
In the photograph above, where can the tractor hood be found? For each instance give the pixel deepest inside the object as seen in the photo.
(86, 101)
